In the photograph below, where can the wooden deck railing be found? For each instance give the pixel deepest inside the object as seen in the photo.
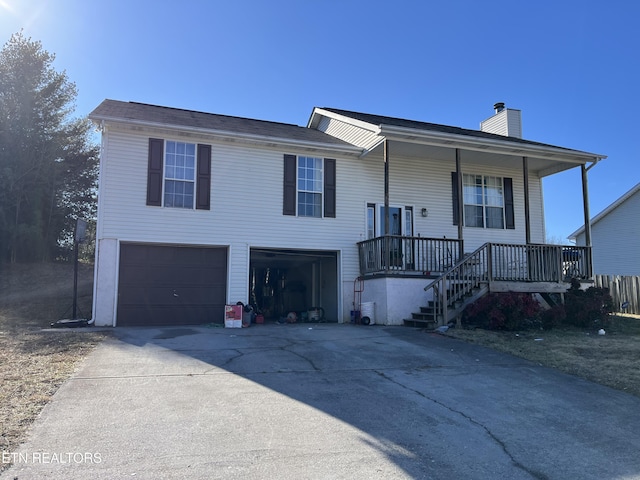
(496, 262)
(395, 254)
(539, 263)
(407, 255)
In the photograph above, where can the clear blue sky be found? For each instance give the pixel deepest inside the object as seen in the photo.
(572, 67)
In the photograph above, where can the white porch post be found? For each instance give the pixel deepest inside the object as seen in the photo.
(386, 186)
(460, 204)
(527, 217)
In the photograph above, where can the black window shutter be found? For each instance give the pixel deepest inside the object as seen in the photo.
(289, 193)
(454, 194)
(154, 172)
(330, 187)
(509, 215)
(203, 178)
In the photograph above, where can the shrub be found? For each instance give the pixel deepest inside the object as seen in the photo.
(504, 311)
(553, 317)
(588, 308)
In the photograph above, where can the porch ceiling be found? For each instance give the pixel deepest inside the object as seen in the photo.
(475, 155)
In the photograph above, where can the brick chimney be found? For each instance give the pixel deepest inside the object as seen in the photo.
(505, 121)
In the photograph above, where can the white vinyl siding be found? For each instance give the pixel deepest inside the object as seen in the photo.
(536, 209)
(246, 208)
(615, 240)
(508, 122)
(496, 124)
(246, 205)
(426, 183)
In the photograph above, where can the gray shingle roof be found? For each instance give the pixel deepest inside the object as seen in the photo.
(434, 127)
(141, 112)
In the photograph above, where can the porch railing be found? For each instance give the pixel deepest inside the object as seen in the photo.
(410, 255)
(396, 254)
(539, 263)
(464, 281)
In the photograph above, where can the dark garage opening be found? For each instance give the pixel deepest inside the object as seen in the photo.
(300, 281)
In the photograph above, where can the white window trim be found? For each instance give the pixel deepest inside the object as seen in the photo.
(484, 205)
(165, 178)
(299, 190)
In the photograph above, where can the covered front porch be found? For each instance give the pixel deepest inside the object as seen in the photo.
(452, 212)
(492, 224)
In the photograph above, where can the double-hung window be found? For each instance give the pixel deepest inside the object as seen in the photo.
(484, 202)
(310, 182)
(309, 186)
(179, 174)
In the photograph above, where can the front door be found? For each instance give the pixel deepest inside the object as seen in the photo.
(400, 225)
(394, 215)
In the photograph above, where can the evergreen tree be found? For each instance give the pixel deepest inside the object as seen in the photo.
(48, 166)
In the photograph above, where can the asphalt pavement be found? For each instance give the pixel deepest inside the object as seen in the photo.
(323, 401)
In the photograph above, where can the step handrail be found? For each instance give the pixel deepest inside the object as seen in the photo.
(459, 280)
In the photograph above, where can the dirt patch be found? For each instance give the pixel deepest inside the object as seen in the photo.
(34, 363)
(34, 295)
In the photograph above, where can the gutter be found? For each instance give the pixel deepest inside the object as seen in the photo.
(487, 145)
(594, 163)
(226, 135)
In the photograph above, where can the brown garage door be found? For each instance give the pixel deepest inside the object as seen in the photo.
(169, 285)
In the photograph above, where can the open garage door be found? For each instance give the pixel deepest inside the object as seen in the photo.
(283, 281)
(171, 285)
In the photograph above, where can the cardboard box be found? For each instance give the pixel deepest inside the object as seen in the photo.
(233, 316)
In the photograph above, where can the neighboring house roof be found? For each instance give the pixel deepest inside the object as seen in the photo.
(384, 123)
(606, 211)
(154, 115)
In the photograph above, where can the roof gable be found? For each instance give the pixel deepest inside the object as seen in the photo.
(141, 113)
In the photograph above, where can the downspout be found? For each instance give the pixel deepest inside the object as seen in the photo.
(527, 215)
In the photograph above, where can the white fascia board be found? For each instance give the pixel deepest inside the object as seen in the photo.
(235, 136)
(370, 127)
(487, 145)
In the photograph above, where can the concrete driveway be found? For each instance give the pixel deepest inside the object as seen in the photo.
(320, 401)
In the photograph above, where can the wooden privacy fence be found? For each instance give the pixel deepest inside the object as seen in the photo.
(622, 289)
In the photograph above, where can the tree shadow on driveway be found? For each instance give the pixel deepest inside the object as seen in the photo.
(332, 401)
